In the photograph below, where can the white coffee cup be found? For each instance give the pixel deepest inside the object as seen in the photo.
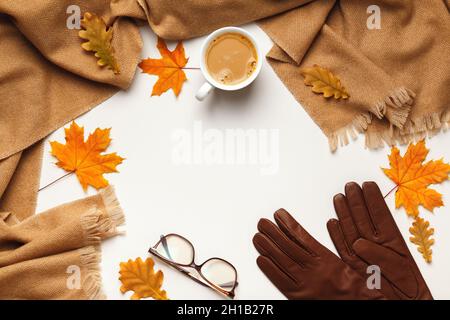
(211, 83)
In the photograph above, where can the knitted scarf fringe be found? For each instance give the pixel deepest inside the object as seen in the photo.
(98, 224)
(395, 107)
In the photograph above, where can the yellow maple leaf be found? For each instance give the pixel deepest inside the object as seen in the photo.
(99, 38)
(412, 178)
(421, 237)
(140, 277)
(323, 81)
(169, 68)
(85, 158)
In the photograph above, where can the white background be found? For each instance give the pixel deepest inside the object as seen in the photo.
(217, 207)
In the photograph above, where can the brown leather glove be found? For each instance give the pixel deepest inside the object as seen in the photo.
(366, 234)
(301, 268)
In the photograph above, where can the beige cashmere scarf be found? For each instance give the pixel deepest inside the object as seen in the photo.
(55, 254)
(398, 78)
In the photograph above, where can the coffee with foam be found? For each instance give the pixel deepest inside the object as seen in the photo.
(231, 58)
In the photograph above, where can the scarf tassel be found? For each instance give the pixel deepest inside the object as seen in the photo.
(426, 126)
(98, 224)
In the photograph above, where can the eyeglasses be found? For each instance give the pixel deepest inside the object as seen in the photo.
(214, 273)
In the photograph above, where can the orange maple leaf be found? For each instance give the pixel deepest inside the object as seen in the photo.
(169, 68)
(85, 158)
(412, 178)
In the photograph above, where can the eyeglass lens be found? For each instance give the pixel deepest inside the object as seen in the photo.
(176, 249)
(219, 272)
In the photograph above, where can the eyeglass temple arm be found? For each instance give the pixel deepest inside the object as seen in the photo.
(189, 274)
(196, 279)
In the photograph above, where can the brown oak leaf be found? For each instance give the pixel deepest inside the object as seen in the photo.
(421, 237)
(325, 82)
(140, 277)
(98, 37)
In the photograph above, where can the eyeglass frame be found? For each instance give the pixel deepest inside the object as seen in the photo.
(196, 267)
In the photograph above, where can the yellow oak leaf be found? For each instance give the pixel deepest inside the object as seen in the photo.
(140, 277)
(421, 237)
(412, 178)
(169, 68)
(323, 81)
(85, 158)
(99, 38)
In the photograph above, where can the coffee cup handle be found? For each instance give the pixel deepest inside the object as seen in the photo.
(204, 90)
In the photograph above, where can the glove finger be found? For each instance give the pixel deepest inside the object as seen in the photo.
(379, 211)
(281, 280)
(297, 233)
(269, 249)
(290, 248)
(394, 267)
(344, 248)
(348, 227)
(337, 236)
(358, 210)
